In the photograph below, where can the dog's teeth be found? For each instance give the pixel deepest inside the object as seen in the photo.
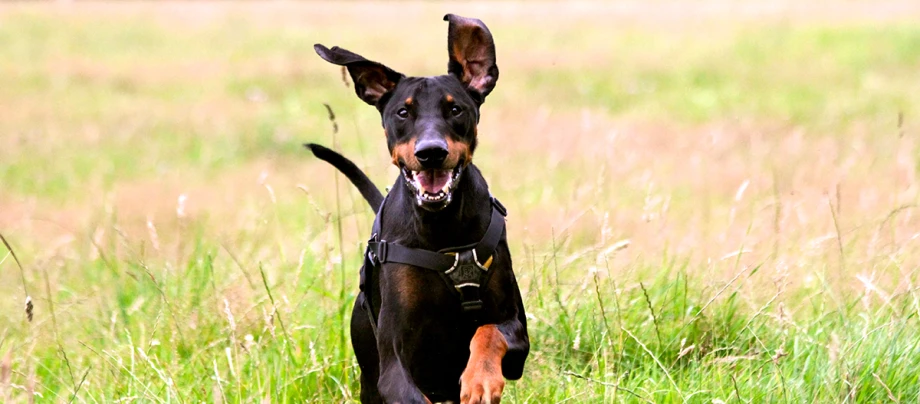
(433, 197)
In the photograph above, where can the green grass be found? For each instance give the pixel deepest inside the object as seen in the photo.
(777, 139)
(813, 76)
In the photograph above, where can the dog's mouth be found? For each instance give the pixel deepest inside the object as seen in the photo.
(434, 187)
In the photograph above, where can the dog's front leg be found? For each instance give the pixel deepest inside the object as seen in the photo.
(482, 381)
(496, 351)
(395, 383)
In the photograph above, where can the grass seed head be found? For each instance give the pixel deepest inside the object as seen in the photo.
(29, 308)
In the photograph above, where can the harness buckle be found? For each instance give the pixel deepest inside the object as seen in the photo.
(467, 276)
(377, 251)
(382, 251)
(471, 306)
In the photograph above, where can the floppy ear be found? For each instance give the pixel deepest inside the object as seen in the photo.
(372, 80)
(472, 53)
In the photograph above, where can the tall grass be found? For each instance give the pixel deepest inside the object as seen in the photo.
(724, 214)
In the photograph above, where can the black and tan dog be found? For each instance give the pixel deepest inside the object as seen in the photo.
(421, 325)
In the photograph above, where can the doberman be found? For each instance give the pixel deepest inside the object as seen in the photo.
(414, 336)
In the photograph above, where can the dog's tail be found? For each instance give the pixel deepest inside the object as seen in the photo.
(367, 188)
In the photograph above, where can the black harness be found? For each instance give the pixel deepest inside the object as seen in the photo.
(464, 268)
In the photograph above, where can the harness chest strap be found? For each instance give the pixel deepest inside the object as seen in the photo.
(460, 267)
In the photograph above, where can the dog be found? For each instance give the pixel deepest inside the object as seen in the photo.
(439, 317)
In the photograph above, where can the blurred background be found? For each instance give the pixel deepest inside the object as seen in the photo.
(686, 182)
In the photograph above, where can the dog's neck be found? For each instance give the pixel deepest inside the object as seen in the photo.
(464, 221)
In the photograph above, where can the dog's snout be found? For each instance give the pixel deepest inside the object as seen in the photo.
(431, 153)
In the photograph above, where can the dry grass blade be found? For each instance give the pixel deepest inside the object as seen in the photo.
(737, 390)
(887, 390)
(6, 370)
(54, 326)
(30, 388)
(218, 390)
(335, 125)
(271, 298)
(834, 213)
(658, 362)
(648, 302)
(239, 265)
(345, 76)
(79, 386)
(734, 358)
(22, 274)
(716, 296)
(6, 367)
(603, 383)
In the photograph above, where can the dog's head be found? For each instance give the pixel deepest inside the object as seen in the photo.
(430, 122)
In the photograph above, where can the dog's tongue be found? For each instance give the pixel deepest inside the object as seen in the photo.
(432, 181)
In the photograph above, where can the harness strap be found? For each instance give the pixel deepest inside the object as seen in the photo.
(486, 247)
(464, 269)
(384, 251)
(368, 281)
(392, 252)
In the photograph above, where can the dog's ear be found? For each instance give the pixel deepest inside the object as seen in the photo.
(372, 80)
(472, 53)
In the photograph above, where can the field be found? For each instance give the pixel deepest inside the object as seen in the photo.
(715, 202)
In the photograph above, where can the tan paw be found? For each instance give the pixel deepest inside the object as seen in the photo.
(481, 384)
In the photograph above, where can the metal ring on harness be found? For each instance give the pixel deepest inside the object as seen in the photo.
(465, 274)
(485, 267)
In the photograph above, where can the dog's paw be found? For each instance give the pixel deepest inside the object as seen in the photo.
(482, 384)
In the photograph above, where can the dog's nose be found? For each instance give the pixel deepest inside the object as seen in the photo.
(431, 153)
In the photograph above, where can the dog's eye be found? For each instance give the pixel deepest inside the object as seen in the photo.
(402, 113)
(456, 111)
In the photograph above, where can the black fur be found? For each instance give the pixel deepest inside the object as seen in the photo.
(423, 340)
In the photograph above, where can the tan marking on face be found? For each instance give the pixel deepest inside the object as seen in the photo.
(449, 98)
(409, 101)
(406, 151)
(457, 153)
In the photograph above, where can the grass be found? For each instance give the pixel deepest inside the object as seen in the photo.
(720, 208)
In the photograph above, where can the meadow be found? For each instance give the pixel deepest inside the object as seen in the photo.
(709, 202)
